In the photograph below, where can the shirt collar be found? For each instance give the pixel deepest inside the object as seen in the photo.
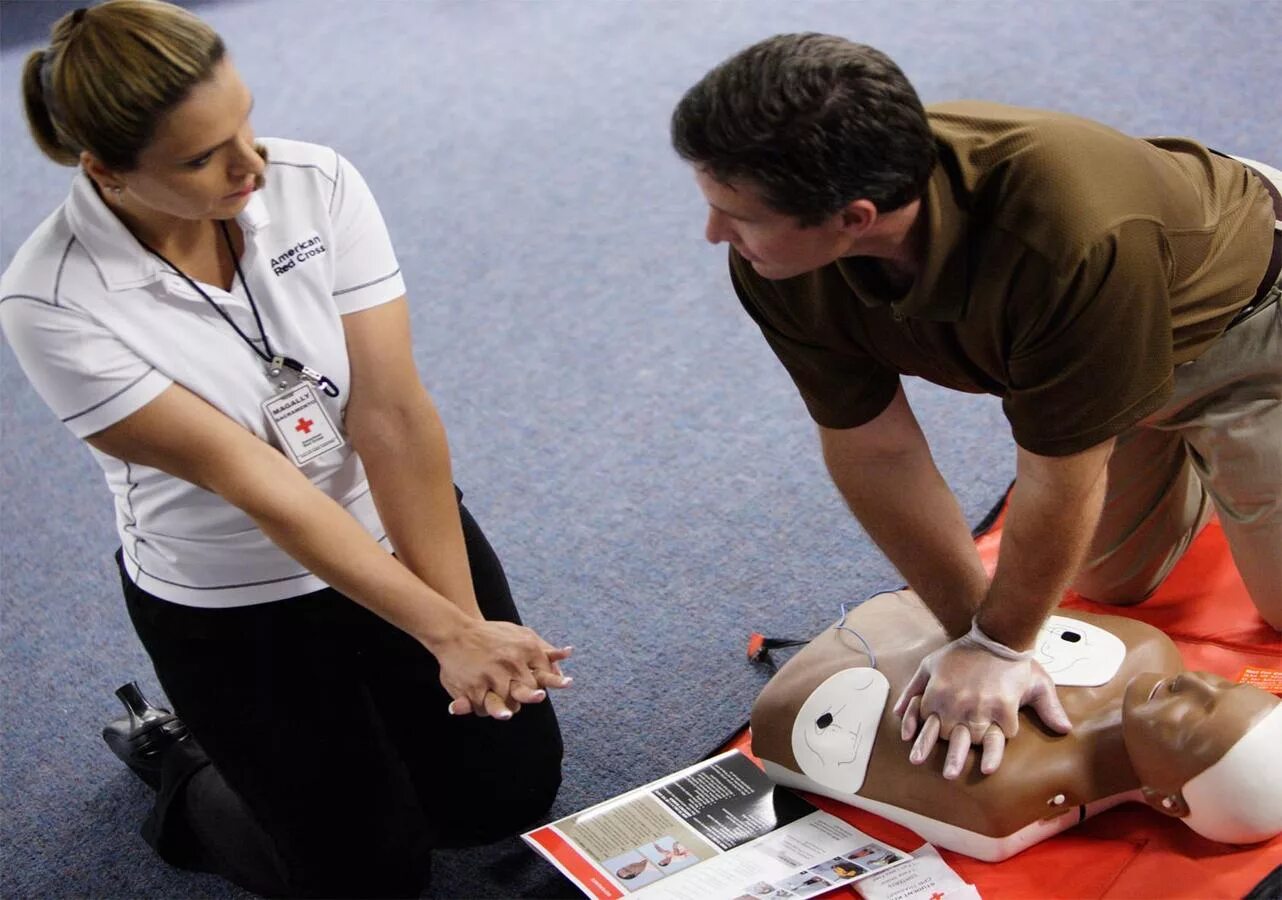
(119, 256)
(255, 216)
(940, 290)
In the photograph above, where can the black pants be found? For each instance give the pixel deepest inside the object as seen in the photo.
(324, 762)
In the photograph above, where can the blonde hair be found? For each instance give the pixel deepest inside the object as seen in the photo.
(108, 75)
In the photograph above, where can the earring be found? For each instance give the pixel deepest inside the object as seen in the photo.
(116, 190)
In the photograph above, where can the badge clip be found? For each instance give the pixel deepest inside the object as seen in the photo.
(307, 372)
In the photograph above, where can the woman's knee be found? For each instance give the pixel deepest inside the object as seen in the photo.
(511, 808)
(359, 869)
(511, 786)
(535, 771)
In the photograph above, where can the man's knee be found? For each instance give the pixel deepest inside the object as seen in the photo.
(1268, 602)
(1117, 590)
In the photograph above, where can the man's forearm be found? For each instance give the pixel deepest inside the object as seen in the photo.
(407, 462)
(910, 513)
(1046, 536)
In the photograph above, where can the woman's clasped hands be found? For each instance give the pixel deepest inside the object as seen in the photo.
(493, 668)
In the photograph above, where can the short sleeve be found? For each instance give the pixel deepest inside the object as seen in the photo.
(1092, 355)
(841, 385)
(366, 271)
(83, 372)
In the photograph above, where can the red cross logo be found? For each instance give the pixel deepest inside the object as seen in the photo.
(304, 425)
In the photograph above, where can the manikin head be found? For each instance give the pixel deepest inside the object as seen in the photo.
(1207, 750)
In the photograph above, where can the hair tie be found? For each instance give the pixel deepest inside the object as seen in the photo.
(78, 15)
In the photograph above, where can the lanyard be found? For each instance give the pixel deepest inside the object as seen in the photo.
(275, 362)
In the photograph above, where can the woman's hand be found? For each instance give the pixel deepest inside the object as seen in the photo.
(492, 668)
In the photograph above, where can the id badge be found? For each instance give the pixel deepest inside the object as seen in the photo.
(301, 423)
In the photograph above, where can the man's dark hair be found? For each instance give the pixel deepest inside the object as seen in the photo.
(813, 121)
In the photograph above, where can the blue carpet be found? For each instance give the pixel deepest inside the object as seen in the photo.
(638, 458)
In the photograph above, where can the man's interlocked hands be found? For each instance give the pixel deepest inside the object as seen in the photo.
(969, 692)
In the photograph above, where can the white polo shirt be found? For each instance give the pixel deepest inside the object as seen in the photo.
(101, 327)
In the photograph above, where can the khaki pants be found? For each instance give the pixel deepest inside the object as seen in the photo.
(1217, 443)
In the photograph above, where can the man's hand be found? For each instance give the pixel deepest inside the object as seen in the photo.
(970, 691)
(492, 668)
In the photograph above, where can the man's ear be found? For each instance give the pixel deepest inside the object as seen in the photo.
(1167, 803)
(859, 216)
(105, 178)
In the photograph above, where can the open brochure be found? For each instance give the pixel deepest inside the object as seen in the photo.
(719, 830)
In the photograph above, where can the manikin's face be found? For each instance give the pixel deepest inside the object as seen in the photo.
(201, 162)
(773, 242)
(1177, 726)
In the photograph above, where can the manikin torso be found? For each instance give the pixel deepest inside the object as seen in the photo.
(1046, 782)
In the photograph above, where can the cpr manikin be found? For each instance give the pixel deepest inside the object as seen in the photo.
(1189, 744)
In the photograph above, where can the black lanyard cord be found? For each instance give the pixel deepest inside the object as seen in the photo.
(235, 261)
(270, 356)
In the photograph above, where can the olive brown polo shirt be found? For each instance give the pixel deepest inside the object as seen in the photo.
(1068, 269)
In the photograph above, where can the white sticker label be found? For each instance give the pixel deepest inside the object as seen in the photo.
(1078, 654)
(833, 734)
(302, 425)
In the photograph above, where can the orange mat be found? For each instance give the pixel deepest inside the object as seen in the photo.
(1132, 851)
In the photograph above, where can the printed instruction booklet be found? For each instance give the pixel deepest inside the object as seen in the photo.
(719, 830)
